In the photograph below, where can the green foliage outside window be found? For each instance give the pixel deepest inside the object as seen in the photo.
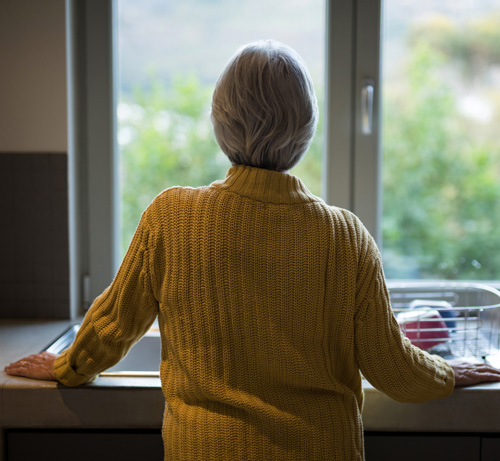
(168, 142)
(441, 169)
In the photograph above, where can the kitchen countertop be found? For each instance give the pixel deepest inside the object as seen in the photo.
(106, 402)
(128, 402)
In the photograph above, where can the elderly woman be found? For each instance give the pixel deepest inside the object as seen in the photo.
(271, 303)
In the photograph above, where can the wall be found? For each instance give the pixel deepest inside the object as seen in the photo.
(34, 262)
(33, 77)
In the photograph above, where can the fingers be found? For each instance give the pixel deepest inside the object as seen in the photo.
(19, 368)
(484, 369)
(490, 377)
(490, 370)
(38, 366)
(467, 373)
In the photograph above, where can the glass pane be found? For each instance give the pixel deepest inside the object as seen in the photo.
(170, 55)
(441, 144)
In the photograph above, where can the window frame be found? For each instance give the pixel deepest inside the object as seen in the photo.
(92, 149)
(352, 158)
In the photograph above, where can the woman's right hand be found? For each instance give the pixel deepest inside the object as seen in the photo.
(36, 366)
(467, 373)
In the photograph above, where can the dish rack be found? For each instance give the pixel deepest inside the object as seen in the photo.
(453, 320)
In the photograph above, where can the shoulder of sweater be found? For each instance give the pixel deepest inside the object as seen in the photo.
(174, 194)
(176, 191)
(347, 216)
(365, 242)
(168, 198)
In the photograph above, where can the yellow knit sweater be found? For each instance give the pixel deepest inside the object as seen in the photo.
(270, 304)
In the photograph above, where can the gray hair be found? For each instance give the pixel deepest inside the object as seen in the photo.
(264, 109)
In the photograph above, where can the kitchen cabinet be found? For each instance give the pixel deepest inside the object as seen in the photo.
(383, 446)
(83, 445)
(125, 445)
(490, 448)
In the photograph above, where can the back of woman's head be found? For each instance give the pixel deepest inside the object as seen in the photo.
(264, 108)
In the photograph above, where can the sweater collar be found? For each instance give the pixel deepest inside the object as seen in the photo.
(265, 185)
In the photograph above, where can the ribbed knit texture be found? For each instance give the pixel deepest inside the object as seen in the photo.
(271, 304)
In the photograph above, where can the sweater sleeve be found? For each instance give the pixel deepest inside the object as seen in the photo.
(386, 358)
(117, 318)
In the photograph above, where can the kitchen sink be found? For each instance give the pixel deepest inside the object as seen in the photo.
(143, 359)
(470, 329)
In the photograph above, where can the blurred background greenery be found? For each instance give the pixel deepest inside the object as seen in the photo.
(441, 153)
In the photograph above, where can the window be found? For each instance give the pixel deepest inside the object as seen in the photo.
(440, 141)
(409, 141)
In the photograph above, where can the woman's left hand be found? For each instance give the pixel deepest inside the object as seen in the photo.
(37, 366)
(467, 373)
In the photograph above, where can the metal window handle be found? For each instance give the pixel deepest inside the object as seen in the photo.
(367, 107)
